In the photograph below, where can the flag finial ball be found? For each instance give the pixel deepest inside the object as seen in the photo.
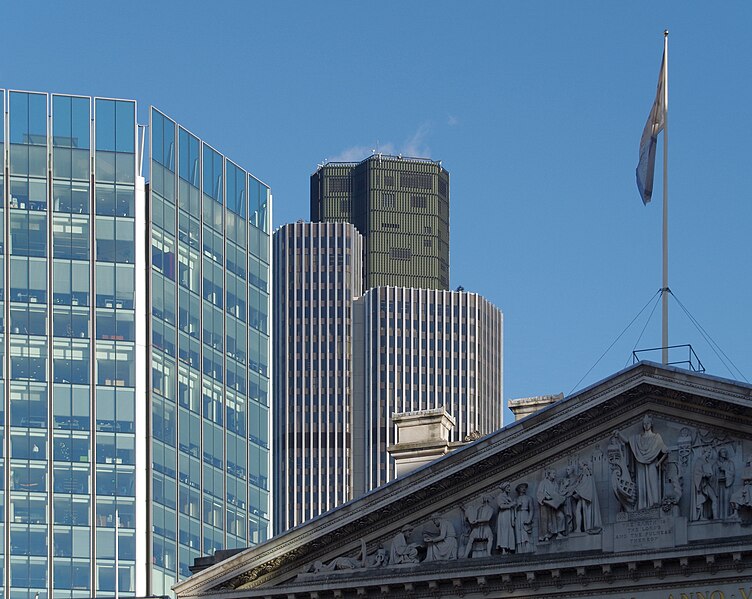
(665, 32)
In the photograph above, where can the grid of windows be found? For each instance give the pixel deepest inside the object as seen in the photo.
(209, 353)
(317, 274)
(73, 336)
(424, 349)
(393, 202)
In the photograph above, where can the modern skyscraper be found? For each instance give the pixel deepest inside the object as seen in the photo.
(134, 380)
(419, 349)
(318, 273)
(400, 206)
(346, 361)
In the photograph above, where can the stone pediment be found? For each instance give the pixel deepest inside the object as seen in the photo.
(650, 464)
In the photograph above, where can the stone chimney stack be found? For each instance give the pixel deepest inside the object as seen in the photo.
(422, 437)
(524, 406)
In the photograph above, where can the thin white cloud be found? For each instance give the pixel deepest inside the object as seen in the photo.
(452, 120)
(414, 146)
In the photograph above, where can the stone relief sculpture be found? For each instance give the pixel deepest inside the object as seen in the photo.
(587, 513)
(441, 546)
(704, 499)
(551, 510)
(566, 490)
(725, 480)
(648, 451)
(621, 481)
(505, 520)
(377, 560)
(684, 445)
(741, 500)
(402, 551)
(478, 517)
(523, 522)
(692, 475)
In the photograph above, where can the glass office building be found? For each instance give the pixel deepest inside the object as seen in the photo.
(134, 370)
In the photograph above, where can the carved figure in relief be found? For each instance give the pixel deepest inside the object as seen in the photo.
(741, 500)
(402, 551)
(684, 445)
(566, 490)
(621, 481)
(649, 451)
(377, 560)
(506, 519)
(587, 510)
(523, 520)
(704, 500)
(725, 480)
(441, 546)
(551, 513)
(479, 517)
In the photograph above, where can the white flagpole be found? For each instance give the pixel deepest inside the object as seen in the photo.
(664, 335)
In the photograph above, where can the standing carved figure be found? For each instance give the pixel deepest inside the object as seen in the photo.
(649, 451)
(523, 520)
(505, 520)
(726, 475)
(441, 546)
(402, 551)
(587, 510)
(566, 490)
(551, 511)
(479, 517)
(704, 501)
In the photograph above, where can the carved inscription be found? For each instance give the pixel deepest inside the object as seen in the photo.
(643, 531)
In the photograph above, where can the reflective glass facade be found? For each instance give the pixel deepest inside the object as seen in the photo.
(209, 352)
(92, 370)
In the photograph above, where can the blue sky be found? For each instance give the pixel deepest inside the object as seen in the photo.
(535, 108)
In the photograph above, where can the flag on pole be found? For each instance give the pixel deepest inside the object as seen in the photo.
(655, 124)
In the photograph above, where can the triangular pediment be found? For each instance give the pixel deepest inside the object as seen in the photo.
(651, 461)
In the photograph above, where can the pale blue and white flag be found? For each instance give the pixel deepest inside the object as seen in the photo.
(655, 124)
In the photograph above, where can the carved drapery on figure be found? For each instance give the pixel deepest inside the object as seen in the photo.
(402, 551)
(441, 546)
(587, 509)
(478, 517)
(704, 499)
(725, 480)
(523, 523)
(550, 507)
(505, 519)
(648, 452)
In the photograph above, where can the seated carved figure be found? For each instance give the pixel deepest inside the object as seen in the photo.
(441, 546)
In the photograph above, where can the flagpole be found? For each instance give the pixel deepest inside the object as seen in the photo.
(664, 289)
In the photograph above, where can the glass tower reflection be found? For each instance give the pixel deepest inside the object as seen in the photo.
(135, 346)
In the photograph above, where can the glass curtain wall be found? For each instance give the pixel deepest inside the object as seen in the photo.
(29, 405)
(3, 367)
(209, 353)
(70, 335)
(68, 454)
(115, 364)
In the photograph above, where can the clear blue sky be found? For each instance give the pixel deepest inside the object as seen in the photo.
(535, 108)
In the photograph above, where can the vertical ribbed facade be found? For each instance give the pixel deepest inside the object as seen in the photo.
(401, 207)
(420, 349)
(317, 275)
